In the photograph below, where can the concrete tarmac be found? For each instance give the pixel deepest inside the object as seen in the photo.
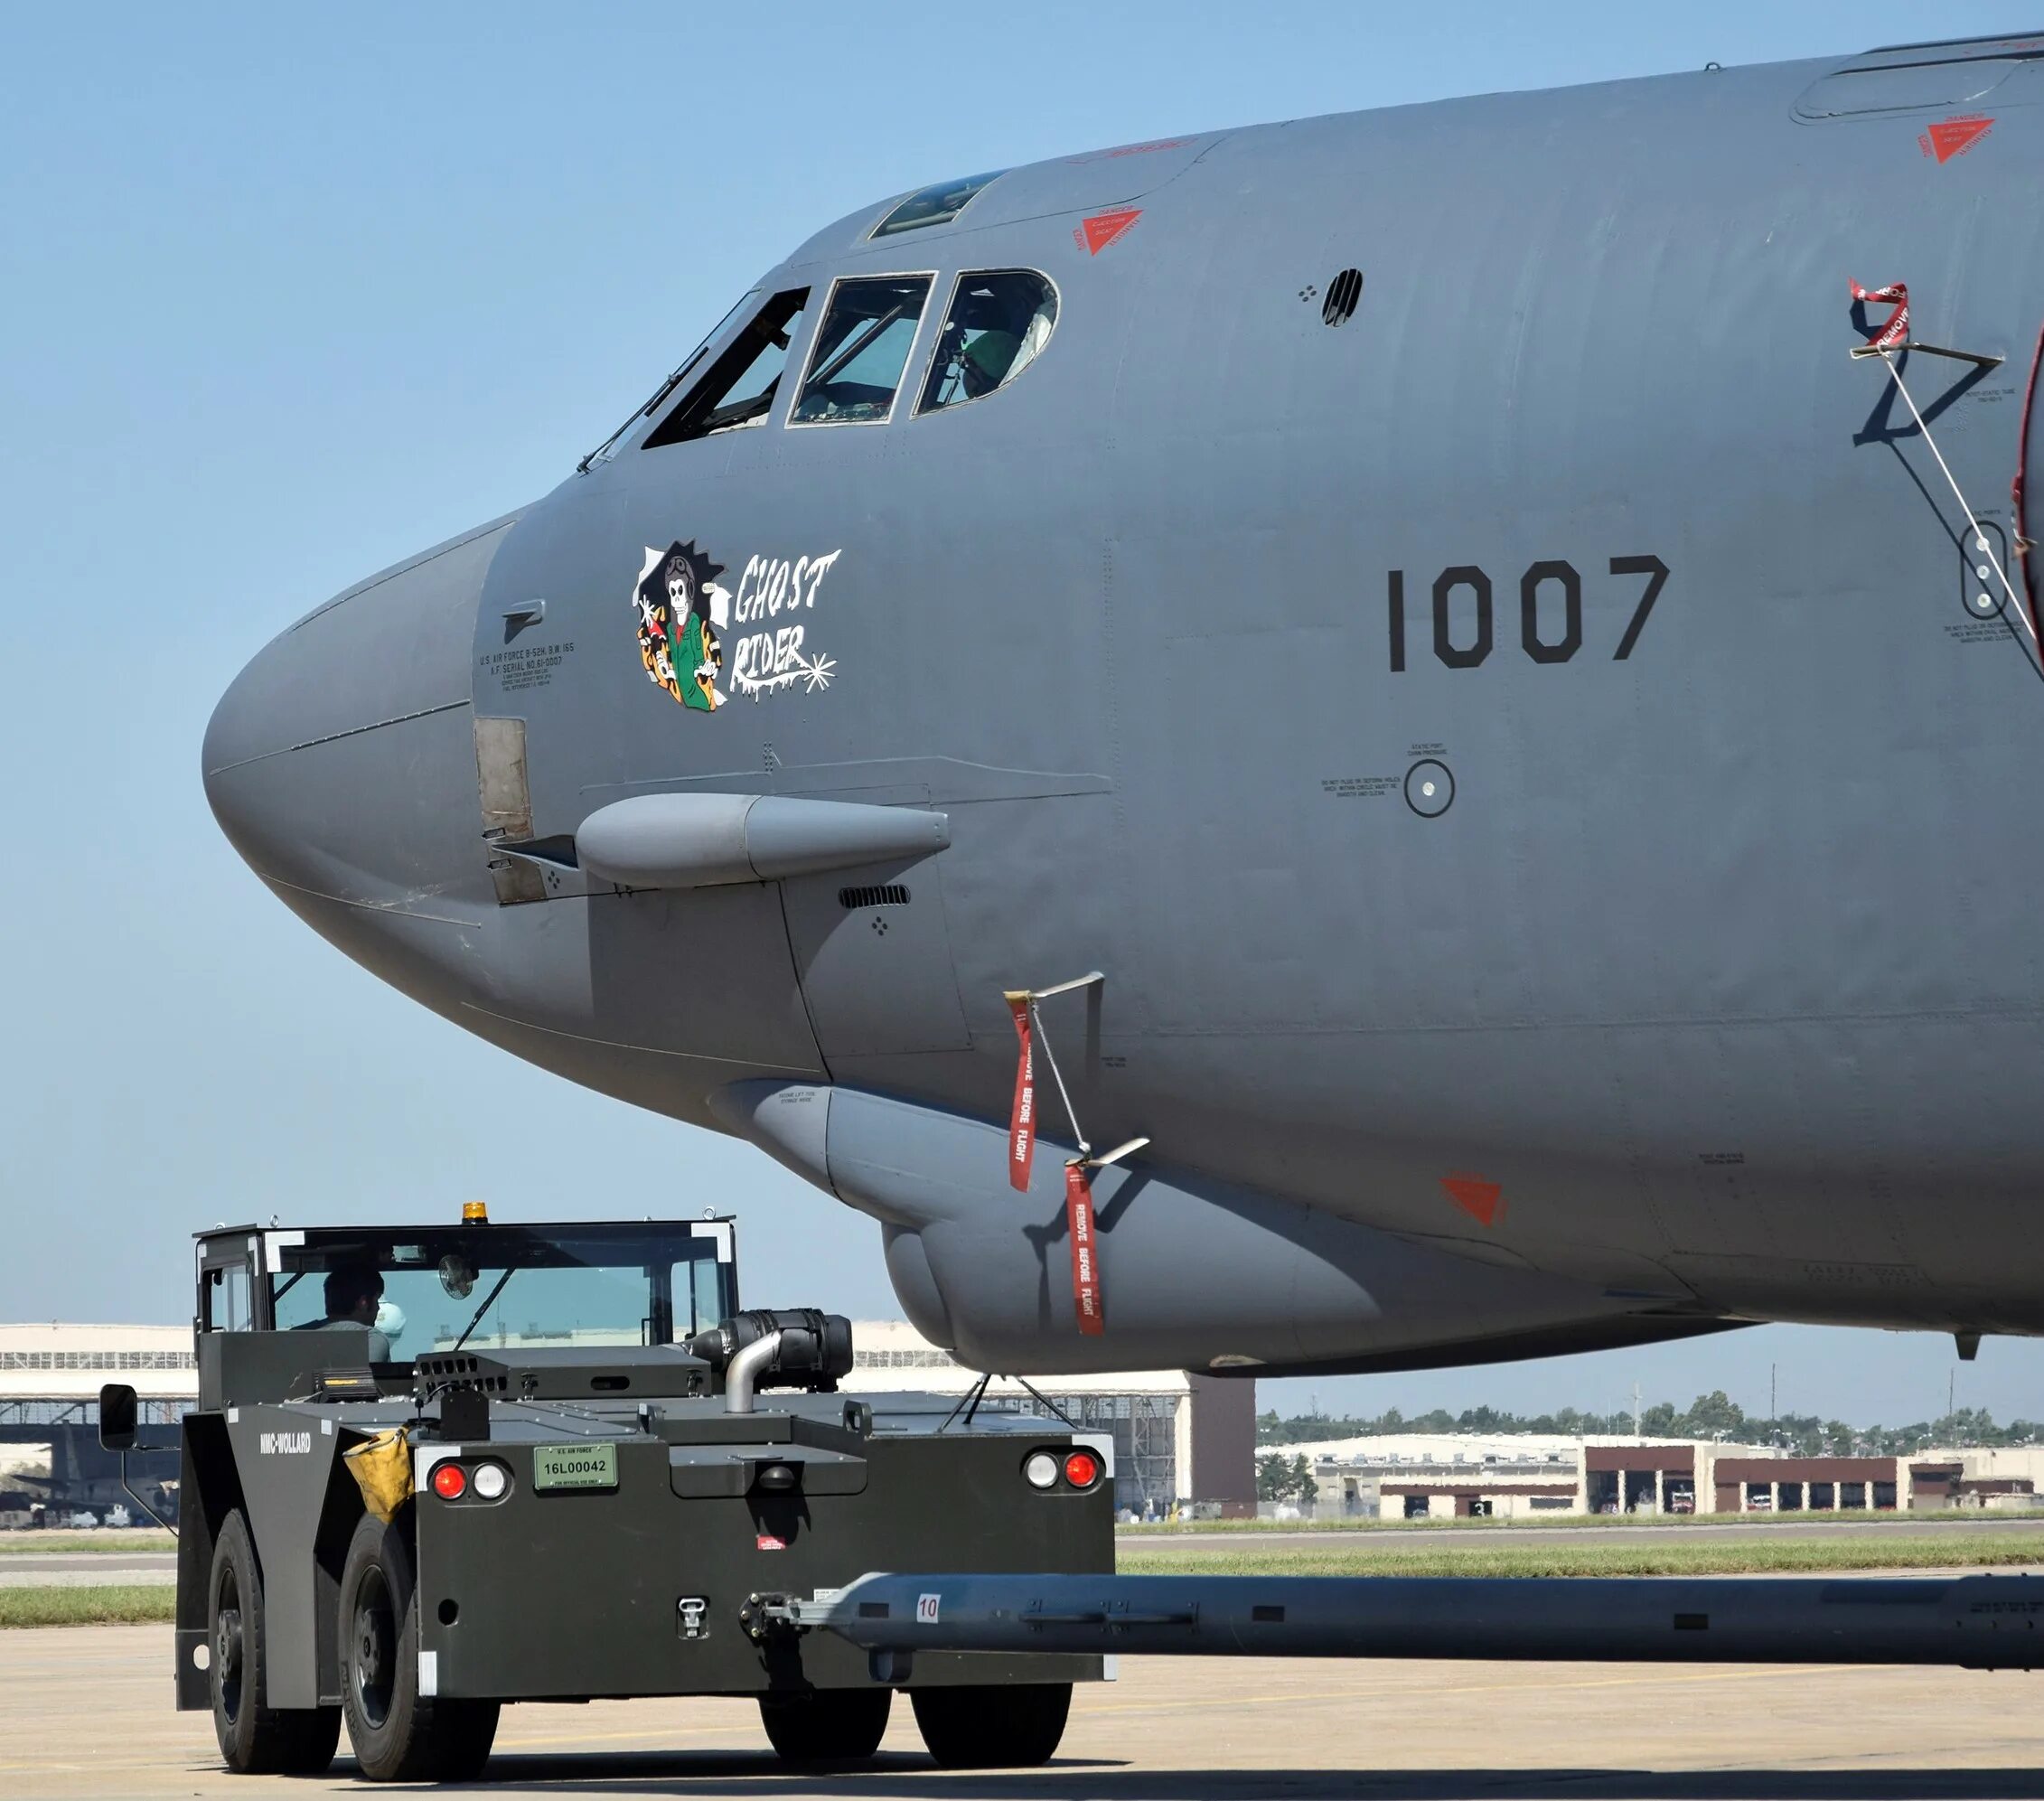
(87, 1711)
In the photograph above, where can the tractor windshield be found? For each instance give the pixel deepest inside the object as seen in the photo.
(408, 1291)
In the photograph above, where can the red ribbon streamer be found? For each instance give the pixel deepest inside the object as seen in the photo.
(1085, 1251)
(1022, 1122)
(1896, 332)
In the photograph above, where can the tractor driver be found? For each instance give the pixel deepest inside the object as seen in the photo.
(352, 1296)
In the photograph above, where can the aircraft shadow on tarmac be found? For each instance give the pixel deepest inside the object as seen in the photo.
(706, 1775)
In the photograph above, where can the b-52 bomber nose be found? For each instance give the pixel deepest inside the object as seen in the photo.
(1054, 585)
(340, 762)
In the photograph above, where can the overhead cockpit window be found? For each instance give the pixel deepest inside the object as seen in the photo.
(937, 204)
(999, 324)
(738, 387)
(861, 349)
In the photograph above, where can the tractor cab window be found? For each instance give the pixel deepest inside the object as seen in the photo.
(737, 389)
(999, 324)
(861, 349)
(702, 1297)
(224, 1295)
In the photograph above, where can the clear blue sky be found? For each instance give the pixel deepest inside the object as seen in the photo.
(287, 292)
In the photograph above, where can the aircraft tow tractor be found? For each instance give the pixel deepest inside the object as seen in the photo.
(435, 1470)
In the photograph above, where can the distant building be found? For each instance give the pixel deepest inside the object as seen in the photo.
(1416, 1476)
(50, 1380)
(1439, 1475)
(53, 1373)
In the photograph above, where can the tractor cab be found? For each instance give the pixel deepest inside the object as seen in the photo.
(293, 1313)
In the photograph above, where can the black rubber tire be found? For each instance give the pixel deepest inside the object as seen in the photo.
(1011, 1726)
(399, 1735)
(254, 1738)
(827, 1725)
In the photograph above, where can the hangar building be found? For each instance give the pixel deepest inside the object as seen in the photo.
(50, 1380)
(1461, 1476)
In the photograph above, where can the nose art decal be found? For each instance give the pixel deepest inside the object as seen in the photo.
(683, 611)
(680, 607)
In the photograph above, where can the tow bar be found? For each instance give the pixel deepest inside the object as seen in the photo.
(1975, 1622)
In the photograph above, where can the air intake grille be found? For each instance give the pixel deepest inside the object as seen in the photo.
(446, 1371)
(893, 894)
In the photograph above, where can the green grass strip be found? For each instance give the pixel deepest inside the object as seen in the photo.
(1591, 1523)
(64, 1544)
(1732, 1557)
(115, 1604)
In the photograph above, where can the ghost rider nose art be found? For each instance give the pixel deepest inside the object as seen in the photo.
(681, 609)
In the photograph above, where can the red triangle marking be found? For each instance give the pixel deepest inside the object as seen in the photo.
(1104, 227)
(1953, 137)
(1475, 1196)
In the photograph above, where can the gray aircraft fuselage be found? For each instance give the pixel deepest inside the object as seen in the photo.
(1531, 760)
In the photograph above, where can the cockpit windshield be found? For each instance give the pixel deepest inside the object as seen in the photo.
(738, 387)
(608, 447)
(413, 1290)
(861, 349)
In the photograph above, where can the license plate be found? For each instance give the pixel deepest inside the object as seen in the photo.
(574, 1465)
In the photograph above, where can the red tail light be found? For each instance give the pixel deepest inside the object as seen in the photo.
(450, 1481)
(1082, 1469)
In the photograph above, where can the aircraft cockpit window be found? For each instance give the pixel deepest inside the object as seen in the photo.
(861, 349)
(999, 324)
(739, 387)
(937, 204)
